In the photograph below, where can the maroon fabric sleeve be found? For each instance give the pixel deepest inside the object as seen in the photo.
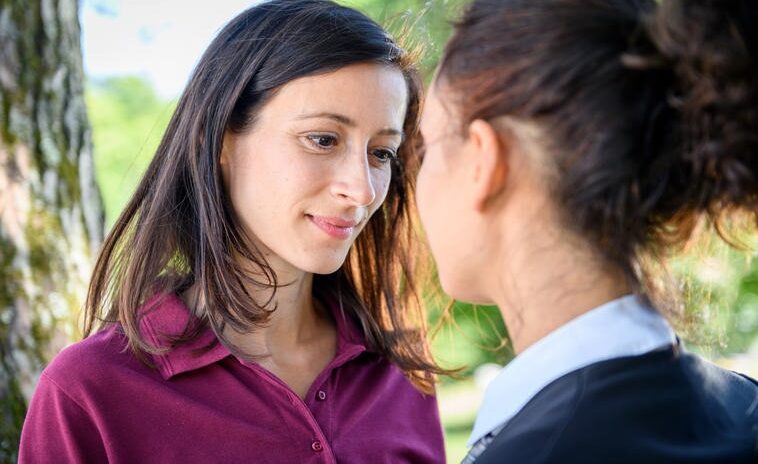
(58, 430)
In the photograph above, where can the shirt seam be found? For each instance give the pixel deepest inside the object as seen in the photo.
(578, 398)
(62, 390)
(699, 396)
(84, 410)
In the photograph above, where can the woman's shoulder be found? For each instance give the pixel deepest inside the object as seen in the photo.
(696, 384)
(723, 384)
(636, 407)
(671, 392)
(106, 354)
(97, 362)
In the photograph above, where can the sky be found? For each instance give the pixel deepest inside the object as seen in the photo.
(157, 39)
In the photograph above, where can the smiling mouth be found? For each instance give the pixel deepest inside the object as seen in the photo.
(335, 227)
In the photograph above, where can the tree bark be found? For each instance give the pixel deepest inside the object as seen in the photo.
(51, 218)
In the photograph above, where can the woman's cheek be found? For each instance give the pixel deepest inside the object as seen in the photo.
(382, 185)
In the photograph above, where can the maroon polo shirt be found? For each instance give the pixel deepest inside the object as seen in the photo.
(97, 403)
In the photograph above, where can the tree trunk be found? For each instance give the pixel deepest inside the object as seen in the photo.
(51, 218)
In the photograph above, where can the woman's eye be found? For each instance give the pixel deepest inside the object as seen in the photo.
(323, 141)
(384, 155)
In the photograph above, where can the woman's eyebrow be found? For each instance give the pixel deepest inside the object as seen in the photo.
(342, 119)
(335, 116)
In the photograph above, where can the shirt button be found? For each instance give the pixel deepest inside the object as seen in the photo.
(316, 446)
(321, 395)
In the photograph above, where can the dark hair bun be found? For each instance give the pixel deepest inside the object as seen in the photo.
(712, 47)
(648, 108)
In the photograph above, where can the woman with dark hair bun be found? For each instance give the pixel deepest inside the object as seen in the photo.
(254, 302)
(572, 143)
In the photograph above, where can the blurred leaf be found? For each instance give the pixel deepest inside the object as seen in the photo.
(128, 120)
(419, 24)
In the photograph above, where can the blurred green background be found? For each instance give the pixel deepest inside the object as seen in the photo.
(721, 285)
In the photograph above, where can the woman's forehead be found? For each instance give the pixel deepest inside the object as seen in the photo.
(351, 92)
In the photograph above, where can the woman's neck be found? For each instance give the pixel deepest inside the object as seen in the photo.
(550, 278)
(299, 338)
(296, 322)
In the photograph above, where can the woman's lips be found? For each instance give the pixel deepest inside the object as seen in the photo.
(334, 226)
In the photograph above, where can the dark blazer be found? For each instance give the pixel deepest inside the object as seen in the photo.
(668, 407)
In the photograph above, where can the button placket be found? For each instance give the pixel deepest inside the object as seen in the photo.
(319, 443)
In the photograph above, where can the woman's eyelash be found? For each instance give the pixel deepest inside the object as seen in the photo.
(384, 155)
(322, 141)
(327, 141)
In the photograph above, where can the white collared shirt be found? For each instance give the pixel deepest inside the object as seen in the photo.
(619, 328)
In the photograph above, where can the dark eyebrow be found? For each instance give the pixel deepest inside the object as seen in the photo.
(334, 116)
(342, 119)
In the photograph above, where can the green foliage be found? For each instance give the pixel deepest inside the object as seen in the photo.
(420, 25)
(128, 120)
(12, 402)
(13, 411)
(466, 336)
(744, 329)
(719, 285)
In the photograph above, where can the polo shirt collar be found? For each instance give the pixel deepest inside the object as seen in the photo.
(166, 315)
(350, 339)
(622, 327)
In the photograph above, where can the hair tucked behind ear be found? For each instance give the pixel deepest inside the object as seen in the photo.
(649, 109)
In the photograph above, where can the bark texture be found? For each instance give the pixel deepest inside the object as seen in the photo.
(51, 218)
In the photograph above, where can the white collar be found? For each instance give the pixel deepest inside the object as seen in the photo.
(619, 328)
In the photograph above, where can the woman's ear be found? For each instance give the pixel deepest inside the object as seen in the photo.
(225, 144)
(489, 153)
(226, 157)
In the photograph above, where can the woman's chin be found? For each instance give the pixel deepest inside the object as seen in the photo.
(324, 266)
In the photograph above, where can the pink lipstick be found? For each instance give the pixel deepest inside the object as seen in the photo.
(334, 226)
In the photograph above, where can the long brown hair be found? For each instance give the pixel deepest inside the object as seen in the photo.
(179, 229)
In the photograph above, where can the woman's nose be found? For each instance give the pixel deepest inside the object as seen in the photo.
(353, 180)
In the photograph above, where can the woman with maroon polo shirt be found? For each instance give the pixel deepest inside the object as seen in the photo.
(235, 313)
